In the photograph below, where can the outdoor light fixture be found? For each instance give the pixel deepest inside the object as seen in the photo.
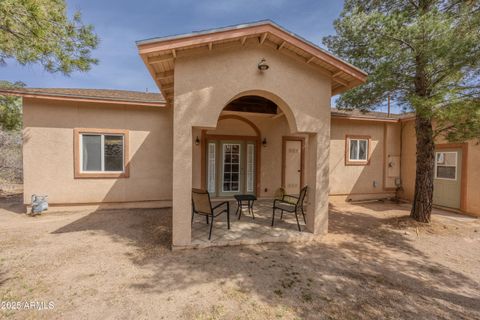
(264, 142)
(197, 141)
(262, 65)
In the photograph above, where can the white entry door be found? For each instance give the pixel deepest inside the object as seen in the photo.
(292, 165)
(447, 185)
(231, 167)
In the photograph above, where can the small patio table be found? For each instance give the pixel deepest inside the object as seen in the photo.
(241, 199)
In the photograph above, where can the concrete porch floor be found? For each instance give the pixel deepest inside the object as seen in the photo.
(248, 230)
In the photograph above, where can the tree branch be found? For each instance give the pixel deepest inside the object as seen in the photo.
(413, 4)
(401, 41)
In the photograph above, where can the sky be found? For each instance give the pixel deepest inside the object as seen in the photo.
(119, 23)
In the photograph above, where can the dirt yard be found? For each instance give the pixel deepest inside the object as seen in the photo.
(374, 263)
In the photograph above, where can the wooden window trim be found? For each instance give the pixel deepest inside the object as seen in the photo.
(78, 174)
(348, 162)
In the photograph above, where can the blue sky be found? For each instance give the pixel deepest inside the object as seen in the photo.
(119, 23)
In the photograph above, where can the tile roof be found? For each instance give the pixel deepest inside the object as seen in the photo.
(91, 94)
(370, 114)
(157, 99)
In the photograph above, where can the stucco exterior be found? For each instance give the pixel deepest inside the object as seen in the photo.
(48, 152)
(210, 81)
(166, 139)
(470, 177)
(272, 129)
(355, 182)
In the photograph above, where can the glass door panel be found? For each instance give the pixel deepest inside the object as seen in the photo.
(231, 167)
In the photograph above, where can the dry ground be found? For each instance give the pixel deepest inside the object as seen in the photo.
(117, 264)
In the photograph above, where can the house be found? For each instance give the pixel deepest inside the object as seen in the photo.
(243, 109)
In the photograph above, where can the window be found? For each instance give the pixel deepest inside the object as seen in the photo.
(211, 167)
(446, 165)
(101, 153)
(250, 167)
(357, 150)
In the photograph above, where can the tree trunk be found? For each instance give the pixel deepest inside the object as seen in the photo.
(422, 202)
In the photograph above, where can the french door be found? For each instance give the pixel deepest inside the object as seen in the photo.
(231, 167)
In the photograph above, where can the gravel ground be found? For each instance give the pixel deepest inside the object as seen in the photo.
(374, 263)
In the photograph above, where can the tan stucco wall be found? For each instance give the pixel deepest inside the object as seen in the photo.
(271, 155)
(233, 127)
(211, 80)
(48, 151)
(409, 153)
(409, 167)
(473, 178)
(357, 181)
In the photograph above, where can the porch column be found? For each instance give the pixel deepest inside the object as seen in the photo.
(317, 180)
(182, 179)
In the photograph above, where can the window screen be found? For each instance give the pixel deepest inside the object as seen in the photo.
(113, 153)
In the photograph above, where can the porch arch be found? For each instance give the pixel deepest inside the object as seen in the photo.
(240, 118)
(275, 99)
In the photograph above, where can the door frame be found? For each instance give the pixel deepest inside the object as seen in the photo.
(302, 157)
(206, 137)
(463, 175)
(220, 167)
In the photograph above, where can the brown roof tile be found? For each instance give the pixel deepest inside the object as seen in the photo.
(92, 94)
(157, 99)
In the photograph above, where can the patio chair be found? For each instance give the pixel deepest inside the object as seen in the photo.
(290, 203)
(202, 205)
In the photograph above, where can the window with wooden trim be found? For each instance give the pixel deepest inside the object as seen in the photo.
(446, 165)
(101, 153)
(357, 150)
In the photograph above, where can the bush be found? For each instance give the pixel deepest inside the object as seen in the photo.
(11, 171)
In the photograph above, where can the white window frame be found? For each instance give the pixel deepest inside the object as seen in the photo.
(367, 151)
(211, 167)
(251, 158)
(102, 151)
(455, 166)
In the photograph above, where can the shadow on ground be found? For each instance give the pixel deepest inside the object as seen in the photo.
(12, 203)
(363, 269)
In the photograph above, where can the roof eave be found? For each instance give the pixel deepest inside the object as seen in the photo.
(63, 97)
(163, 44)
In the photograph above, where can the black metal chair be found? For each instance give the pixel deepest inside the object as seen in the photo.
(202, 205)
(290, 203)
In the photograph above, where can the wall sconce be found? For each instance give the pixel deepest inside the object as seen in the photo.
(197, 141)
(264, 142)
(262, 65)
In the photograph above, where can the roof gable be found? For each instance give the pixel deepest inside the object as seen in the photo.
(159, 54)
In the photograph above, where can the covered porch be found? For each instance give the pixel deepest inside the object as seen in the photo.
(252, 152)
(249, 230)
(225, 142)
